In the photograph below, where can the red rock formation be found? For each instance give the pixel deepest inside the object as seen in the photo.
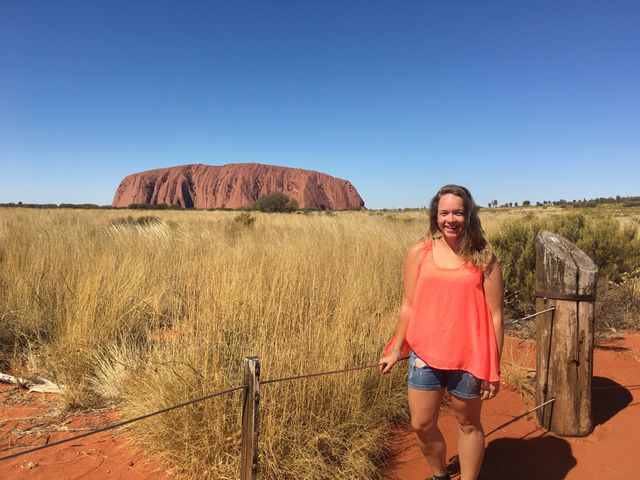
(235, 185)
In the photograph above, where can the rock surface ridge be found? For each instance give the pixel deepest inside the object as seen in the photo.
(235, 186)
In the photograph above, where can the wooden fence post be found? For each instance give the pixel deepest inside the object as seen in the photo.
(566, 279)
(250, 417)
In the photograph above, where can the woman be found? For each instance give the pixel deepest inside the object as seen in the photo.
(451, 318)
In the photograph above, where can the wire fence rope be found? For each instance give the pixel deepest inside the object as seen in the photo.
(373, 365)
(124, 422)
(322, 374)
(243, 387)
(527, 317)
(515, 419)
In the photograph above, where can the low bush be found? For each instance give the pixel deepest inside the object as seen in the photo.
(159, 206)
(614, 247)
(514, 245)
(276, 202)
(142, 221)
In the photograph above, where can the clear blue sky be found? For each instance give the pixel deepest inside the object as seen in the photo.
(516, 100)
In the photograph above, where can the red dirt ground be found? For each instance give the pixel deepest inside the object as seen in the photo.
(519, 451)
(523, 451)
(34, 419)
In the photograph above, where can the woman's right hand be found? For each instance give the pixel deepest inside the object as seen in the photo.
(388, 361)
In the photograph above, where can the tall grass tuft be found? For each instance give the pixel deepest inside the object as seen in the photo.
(142, 313)
(146, 314)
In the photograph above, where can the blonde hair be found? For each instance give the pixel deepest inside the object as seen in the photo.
(473, 246)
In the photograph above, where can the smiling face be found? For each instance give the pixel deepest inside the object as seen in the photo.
(451, 217)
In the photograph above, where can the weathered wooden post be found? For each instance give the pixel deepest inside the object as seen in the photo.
(250, 417)
(566, 279)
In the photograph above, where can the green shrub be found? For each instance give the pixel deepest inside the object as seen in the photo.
(143, 221)
(515, 247)
(615, 249)
(570, 225)
(159, 206)
(276, 202)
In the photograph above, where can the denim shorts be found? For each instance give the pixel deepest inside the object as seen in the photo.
(459, 382)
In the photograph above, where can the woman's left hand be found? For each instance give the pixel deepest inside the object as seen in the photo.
(488, 390)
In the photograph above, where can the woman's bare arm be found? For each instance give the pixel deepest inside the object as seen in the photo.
(409, 279)
(494, 293)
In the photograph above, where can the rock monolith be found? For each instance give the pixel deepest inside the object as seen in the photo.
(235, 186)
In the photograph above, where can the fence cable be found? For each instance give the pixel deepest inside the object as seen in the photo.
(321, 374)
(124, 422)
(515, 419)
(373, 365)
(265, 382)
(518, 320)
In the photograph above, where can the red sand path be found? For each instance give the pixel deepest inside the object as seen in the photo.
(523, 451)
(34, 419)
(519, 451)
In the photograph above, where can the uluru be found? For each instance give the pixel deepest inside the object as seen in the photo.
(236, 185)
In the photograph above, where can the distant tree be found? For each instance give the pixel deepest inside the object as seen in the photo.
(489, 204)
(526, 203)
(515, 204)
(494, 203)
(276, 202)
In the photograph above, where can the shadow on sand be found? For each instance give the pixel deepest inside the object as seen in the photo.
(612, 348)
(607, 399)
(527, 459)
(547, 456)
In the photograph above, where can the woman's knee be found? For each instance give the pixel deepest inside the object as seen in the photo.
(469, 425)
(467, 413)
(424, 406)
(424, 425)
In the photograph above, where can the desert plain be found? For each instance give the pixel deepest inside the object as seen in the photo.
(134, 311)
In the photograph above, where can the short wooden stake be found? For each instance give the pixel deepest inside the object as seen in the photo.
(566, 279)
(250, 417)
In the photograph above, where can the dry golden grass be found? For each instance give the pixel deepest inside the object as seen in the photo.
(151, 314)
(516, 369)
(146, 314)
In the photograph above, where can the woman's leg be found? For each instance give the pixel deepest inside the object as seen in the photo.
(471, 436)
(424, 406)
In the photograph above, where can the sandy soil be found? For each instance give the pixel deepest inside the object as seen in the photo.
(519, 451)
(524, 451)
(32, 419)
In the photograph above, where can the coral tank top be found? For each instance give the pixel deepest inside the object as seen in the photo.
(450, 326)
